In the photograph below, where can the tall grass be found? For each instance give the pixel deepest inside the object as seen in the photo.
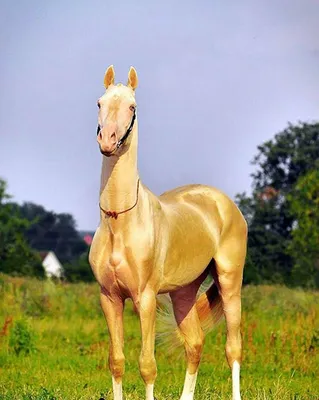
(65, 329)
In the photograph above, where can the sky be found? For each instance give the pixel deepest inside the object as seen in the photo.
(216, 79)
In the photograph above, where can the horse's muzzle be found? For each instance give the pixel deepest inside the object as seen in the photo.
(108, 153)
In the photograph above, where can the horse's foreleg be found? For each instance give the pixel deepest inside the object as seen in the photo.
(147, 363)
(113, 311)
(189, 325)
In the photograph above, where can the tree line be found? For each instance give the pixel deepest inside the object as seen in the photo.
(28, 229)
(282, 212)
(283, 209)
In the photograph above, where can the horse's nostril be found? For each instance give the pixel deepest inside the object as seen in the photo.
(113, 136)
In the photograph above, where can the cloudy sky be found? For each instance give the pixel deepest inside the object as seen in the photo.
(217, 78)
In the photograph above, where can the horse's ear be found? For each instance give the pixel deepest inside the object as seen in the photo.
(109, 76)
(132, 81)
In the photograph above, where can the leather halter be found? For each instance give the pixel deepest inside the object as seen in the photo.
(126, 135)
(115, 214)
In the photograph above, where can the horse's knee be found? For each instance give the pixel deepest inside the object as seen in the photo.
(117, 365)
(148, 369)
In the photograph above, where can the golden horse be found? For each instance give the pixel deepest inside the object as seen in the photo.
(147, 245)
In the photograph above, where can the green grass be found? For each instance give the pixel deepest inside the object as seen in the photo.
(65, 333)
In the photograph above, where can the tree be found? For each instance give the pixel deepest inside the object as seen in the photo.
(280, 163)
(304, 246)
(16, 256)
(267, 259)
(52, 231)
(291, 154)
(79, 270)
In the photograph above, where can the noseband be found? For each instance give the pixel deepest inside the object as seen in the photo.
(127, 133)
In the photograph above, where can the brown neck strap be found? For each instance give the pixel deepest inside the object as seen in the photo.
(115, 214)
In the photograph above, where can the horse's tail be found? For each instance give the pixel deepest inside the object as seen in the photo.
(210, 308)
(210, 311)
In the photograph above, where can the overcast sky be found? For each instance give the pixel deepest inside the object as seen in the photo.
(217, 78)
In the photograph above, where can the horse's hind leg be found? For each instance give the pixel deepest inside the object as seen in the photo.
(228, 276)
(186, 316)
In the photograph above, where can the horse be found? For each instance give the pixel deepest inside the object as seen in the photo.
(147, 245)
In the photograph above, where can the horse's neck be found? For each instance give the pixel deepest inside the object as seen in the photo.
(119, 179)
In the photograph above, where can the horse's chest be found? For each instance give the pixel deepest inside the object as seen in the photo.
(121, 274)
(115, 266)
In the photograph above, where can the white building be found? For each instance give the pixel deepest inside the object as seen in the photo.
(51, 264)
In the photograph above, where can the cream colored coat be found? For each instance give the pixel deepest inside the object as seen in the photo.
(165, 244)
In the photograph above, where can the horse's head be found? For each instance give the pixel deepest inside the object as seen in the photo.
(117, 112)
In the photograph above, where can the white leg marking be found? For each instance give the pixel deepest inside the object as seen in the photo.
(117, 390)
(189, 386)
(150, 392)
(235, 378)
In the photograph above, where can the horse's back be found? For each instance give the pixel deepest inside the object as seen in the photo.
(189, 189)
(206, 198)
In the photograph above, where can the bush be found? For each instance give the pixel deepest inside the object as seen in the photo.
(79, 270)
(22, 338)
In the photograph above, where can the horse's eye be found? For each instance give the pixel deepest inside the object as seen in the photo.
(132, 107)
(98, 104)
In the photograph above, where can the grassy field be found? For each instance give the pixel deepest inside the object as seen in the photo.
(53, 345)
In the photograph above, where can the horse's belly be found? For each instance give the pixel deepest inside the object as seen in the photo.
(183, 275)
(186, 264)
(193, 242)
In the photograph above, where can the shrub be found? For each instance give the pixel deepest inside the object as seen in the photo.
(22, 338)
